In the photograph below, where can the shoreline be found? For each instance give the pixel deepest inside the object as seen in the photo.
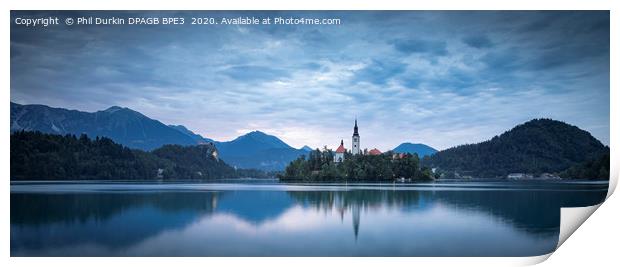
(277, 181)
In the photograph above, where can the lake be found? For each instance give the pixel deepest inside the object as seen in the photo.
(448, 218)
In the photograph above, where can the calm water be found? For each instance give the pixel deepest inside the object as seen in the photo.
(270, 219)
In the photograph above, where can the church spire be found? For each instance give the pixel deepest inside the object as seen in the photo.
(355, 146)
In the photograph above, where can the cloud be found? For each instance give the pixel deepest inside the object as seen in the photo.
(440, 78)
(478, 41)
(254, 73)
(504, 61)
(413, 46)
(538, 24)
(379, 72)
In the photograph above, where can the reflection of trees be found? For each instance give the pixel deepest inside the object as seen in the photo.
(122, 219)
(354, 201)
(327, 200)
(80, 207)
(534, 211)
(108, 219)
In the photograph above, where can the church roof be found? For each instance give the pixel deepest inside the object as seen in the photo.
(374, 152)
(341, 148)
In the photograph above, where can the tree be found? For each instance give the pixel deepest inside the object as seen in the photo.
(35, 155)
(535, 147)
(385, 167)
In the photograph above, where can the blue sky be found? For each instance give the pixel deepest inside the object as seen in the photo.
(439, 78)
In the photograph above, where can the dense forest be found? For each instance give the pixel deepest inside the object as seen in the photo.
(320, 166)
(39, 156)
(535, 147)
(592, 169)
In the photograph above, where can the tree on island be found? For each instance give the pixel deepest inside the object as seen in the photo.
(320, 166)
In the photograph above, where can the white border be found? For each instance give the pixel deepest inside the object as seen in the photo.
(588, 245)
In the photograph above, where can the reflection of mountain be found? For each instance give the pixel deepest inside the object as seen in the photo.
(109, 219)
(255, 207)
(123, 219)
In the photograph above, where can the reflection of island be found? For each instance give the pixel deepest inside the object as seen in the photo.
(354, 201)
(533, 211)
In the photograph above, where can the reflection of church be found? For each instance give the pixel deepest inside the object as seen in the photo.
(355, 213)
(356, 219)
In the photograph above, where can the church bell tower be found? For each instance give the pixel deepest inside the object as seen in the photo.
(355, 148)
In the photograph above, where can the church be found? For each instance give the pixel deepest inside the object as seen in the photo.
(355, 149)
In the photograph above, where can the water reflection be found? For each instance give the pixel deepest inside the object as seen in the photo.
(284, 221)
(108, 219)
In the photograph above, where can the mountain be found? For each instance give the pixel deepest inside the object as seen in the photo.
(41, 156)
(255, 140)
(196, 137)
(420, 149)
(307, 148)
(535, 147)
(254, 150)
(257, 150)
(123, 125)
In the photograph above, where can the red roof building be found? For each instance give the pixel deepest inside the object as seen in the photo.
(374, 152)
(339, 157)
(341, 148)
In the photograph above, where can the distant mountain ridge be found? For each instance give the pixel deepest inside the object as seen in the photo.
(255, 150)
(258, 150)
(420, 149)
(196, 137)
(123, 125)
(535, 147)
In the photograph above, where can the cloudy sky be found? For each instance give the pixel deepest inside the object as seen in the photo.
(439, 78)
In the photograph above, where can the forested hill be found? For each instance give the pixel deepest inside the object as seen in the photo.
(254, 150)
(535, 147)
(39, 156)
